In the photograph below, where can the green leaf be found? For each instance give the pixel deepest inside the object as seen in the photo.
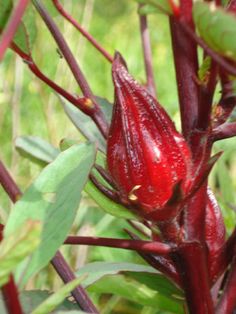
(108, 205)
(26, 32)
(133, 291)
(106, 107)
(217, 27)
(36, 147)
(16, 247)
(66, 143)
(6, 7)
(55, 299)
(144, 274)
(32, 298)
(53, 199)
(21, 39)
(154, 6)
(97, 270)
(159, 283)
(29, 20)
(85, 124)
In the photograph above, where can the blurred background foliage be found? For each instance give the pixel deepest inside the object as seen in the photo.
(29, 107)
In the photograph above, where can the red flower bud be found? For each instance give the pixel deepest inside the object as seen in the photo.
(147, 158)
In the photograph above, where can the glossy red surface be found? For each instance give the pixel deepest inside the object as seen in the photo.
(146, 157)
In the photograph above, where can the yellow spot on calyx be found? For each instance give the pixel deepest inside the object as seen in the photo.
(131, 195)
(88, 102)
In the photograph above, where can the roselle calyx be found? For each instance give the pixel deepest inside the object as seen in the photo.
(148, 160)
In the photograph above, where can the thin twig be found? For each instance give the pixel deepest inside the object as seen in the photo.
(12, 26)
(161, 263)
(79, 294)
(147, 53)
(98, 115)
(84, 104)
(136, 245)
(113, 195)
(225, 130)
(90, 38)
(8, 184)
(105, 175)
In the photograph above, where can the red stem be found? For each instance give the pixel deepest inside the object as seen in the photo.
(8, 184)
(82, 103)
(10, 292)
(147, 54)
(90, 38)
(75, 69)
(80, 295)
(191, 262)
(136, 245)
(186, 66)
(12, 26)
(163, 264)
(225, 130)
(227, 303)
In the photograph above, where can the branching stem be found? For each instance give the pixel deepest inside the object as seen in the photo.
(90, 38)
(136, 245)
(75, 69)
(225, 130)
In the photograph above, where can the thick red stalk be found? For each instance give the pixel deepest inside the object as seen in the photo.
(137, 245)
(191, 263)
(194, 216)
(90, 38)
(186, 65)
(147, 54)
(12, 26)
(10, 292)
(72, 63)
(80, 294)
